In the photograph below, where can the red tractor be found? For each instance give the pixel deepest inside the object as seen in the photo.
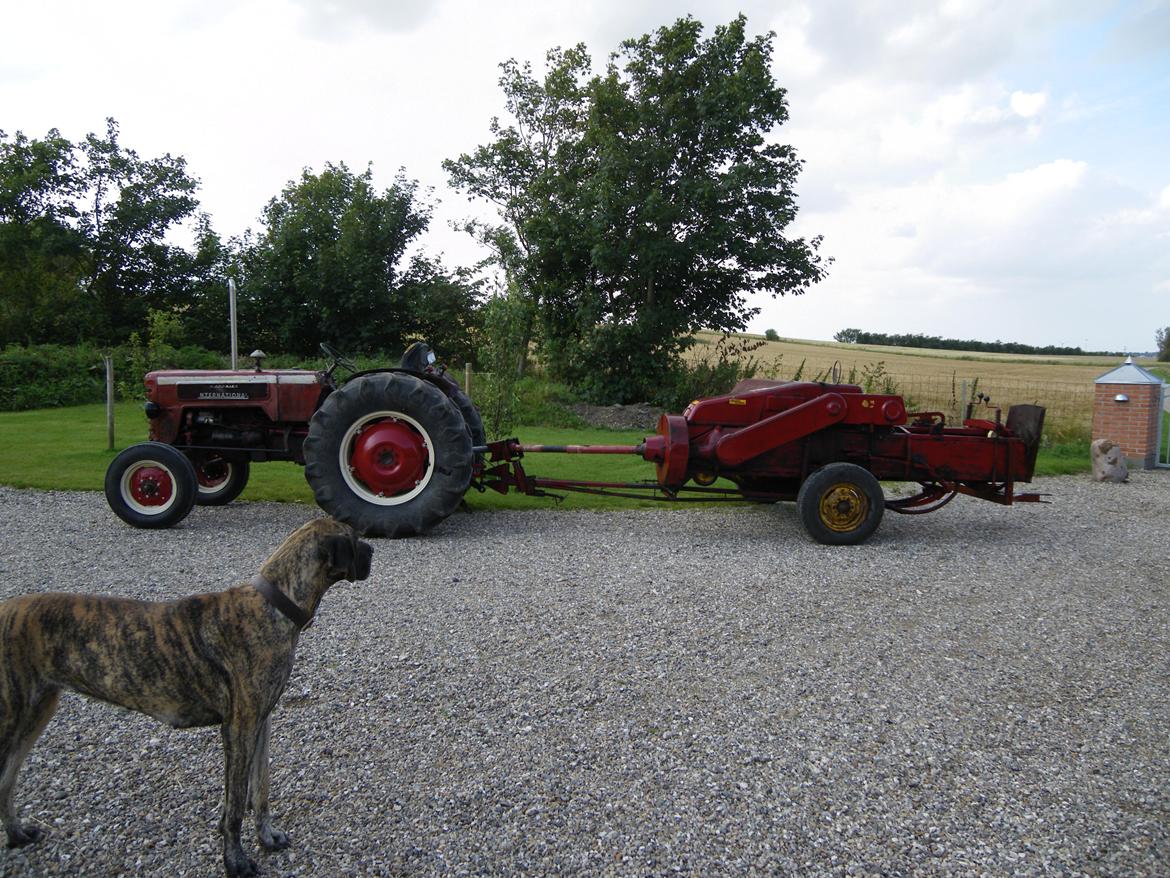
(388, 451)
(393, 451)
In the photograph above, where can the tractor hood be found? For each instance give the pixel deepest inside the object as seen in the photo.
(224, 385)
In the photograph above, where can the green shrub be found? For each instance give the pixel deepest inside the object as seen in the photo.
(505, 321)
(544, 403)
(723, 366)
(50, 376)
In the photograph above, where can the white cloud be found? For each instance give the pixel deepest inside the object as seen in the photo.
(1028, 104)
(337, 19)
(962, 172)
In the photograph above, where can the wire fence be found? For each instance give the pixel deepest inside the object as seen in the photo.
(1069, 405)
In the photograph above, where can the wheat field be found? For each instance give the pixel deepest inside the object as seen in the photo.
(932, 380)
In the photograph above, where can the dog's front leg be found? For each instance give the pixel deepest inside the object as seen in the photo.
(20, 726)
(240, 742)
(271, 839)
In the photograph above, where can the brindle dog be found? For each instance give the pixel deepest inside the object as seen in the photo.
(211, 659)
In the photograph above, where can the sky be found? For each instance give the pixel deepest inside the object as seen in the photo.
(978, 169)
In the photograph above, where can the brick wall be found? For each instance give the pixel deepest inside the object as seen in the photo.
(1133, 425)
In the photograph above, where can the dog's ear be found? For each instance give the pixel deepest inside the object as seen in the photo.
(348, 558)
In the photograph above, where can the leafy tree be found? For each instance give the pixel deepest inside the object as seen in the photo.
(848, 336)
(205, 312)
(1162, 338)
(327, 266)
(130, 205)
(506, 320)
(41, 251)
(644, 204)
(83, 250)
(528, 172)
(771, 335)
(443, 309)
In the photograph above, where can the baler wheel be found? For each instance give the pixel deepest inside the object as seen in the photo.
(840, 504)
(388, 453)
(151, 485)
(220, 479)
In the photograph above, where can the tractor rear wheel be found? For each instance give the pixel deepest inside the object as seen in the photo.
(471, 417)
(389, 454)
(841, 504)
(220, 479)
(151, 485)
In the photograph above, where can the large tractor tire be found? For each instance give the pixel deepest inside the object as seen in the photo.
(220, 479)
(389, 454)
(151, 485)
(841, 504)
(471, 417)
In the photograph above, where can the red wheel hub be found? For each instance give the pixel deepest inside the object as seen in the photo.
(151, 486)
(389, 457)
(212, 473)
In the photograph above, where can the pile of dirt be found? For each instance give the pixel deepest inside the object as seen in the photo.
(638, 416)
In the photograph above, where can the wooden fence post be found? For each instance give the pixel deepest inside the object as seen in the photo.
(467, 379)
(109, 361)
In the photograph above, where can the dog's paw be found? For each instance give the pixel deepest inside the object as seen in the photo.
(275, 840)
(240, 866)
(22, 835)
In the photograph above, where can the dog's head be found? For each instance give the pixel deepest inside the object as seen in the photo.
(344, 555)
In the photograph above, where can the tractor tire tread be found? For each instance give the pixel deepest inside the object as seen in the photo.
(451, 469)
(182, 473)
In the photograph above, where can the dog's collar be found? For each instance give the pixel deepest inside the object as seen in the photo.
(282, 602)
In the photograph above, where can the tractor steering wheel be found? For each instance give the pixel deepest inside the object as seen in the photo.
(338, 358)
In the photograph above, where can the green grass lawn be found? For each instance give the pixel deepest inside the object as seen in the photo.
(66, 449)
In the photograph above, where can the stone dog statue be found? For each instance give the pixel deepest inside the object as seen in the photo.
(1108, 461)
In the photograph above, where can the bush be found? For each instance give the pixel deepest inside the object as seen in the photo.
(714, 374)
(545, 404)
(50, 376)
(505, 318)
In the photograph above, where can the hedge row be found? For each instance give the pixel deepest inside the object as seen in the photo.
(48, 376)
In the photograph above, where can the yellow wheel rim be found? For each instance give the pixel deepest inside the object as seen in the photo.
(843, 508)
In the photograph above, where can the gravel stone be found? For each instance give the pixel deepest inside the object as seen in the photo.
(698, 691)
(637, 416)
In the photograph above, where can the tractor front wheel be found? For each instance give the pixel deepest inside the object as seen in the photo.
(389, 454)
(151, 485)
(220, 479)
(840, 504)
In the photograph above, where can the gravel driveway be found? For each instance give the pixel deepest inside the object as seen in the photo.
(981, 691)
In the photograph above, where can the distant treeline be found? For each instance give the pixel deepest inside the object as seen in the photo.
(917, 340)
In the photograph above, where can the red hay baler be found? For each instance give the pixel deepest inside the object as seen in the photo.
(392, 451)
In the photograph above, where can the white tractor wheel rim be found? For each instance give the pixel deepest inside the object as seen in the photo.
(128, 494)
(345, 453)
